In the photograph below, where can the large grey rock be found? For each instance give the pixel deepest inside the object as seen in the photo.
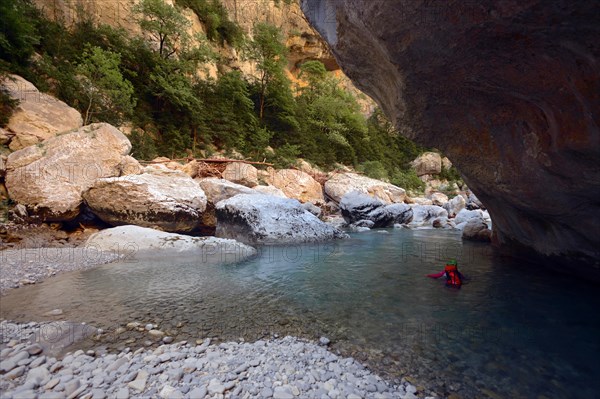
(267, 219)
(140, 242)
(49, 178)
(465, 215)
(425, 215)
(270, 190)
(476, 229)
(357, 207)
(169, 201)
(218, 190)
(38, 116)
(531, 130)
(455, 205)
(342, 183)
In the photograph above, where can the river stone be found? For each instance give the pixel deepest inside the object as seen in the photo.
(357, 208)
(49, 178)
(455, 205)
(465, 215)
(298, 185)
(38, 116)
(424, 215)
(267, 219)
(169, 201)
(477, 230)
(342, 183)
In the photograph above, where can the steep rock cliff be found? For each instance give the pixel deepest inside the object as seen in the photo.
(508, 90)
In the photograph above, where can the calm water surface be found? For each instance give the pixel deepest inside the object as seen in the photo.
(513, 330)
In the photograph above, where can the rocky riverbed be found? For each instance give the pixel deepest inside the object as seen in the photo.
(285, 368)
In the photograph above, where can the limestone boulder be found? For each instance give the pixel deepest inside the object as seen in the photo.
(38, 116)
(446, 163)
(165, 201)
(298, 185)
(476, 229)
(135, 242)
(265, 219)
(340, 184)
(455, 205)
(438, 198)
(191, 168)
(270, 190)
(217, 190)
(465, 215)
(473, 202)
(241, 173)
(428, 163)
(358, 207)
(130, 166)
(49, 178)
(425, 215)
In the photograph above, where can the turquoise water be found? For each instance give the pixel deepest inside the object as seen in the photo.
(513, 330)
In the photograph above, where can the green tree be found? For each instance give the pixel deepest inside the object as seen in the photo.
(214, 16)
(107, 95)
(269, 53)
(18, 35)
(165, 24)
(331, 121)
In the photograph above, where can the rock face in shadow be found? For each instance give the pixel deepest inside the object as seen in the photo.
(509, 91)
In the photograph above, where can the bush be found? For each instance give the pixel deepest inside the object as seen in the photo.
(374, 169)
(7, 104)
(407, 180)
(214, 16)
(143, 145)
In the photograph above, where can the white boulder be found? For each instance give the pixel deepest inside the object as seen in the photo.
(265, 219)
(132, 242)
(38, 116)
(342, 183)
(49, 178)
(169, 201)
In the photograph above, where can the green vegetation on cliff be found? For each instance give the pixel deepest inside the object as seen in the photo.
(159, 85)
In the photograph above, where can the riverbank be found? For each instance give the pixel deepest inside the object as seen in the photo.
(279, 368)
(28, 266)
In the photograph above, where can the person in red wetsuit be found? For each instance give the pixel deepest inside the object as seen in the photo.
(454, 278)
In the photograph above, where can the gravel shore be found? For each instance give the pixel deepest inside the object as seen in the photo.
(286, 368)
(32, 265)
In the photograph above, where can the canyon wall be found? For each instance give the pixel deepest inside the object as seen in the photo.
(508, 90)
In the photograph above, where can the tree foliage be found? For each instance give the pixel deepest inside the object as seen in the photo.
(108, 95)
(165, 25)
(176, 109)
